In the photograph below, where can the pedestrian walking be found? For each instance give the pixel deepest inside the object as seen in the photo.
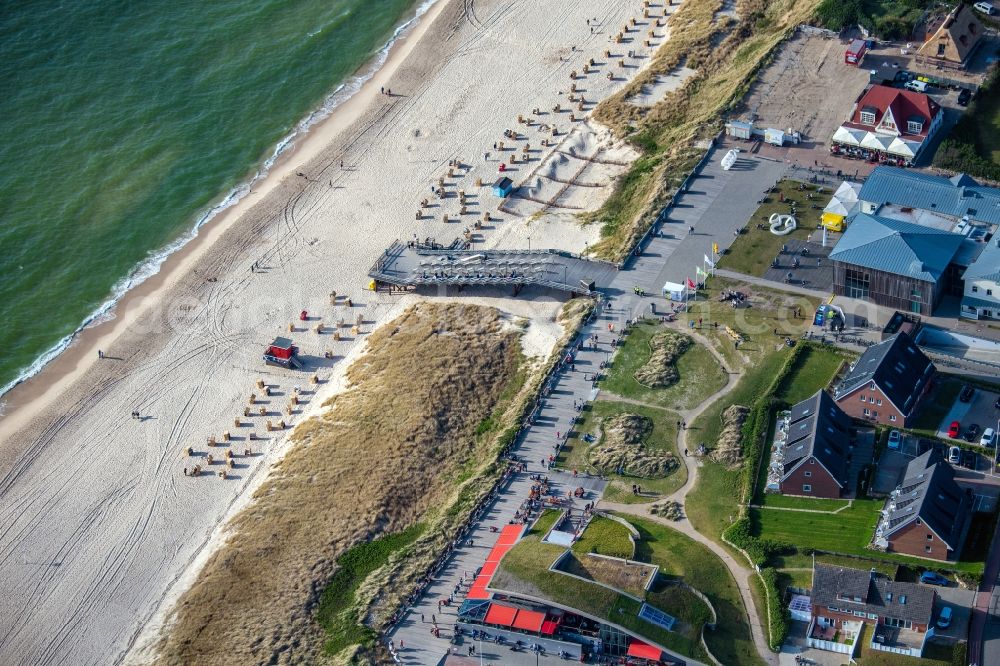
(100, 354)
(421, 617)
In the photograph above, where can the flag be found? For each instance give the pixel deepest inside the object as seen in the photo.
(715, 248)
(711, 264)
(691, 284)
(700, 272)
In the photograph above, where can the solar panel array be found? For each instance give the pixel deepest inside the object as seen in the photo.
(657, 617)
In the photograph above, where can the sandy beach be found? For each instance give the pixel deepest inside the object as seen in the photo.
(101, 528)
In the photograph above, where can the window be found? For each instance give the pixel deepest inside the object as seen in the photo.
(867, 412)
(941, 48)
(806, 488)
(914, 126)
(888, 596)
(892, 417)
(919, 522)
(856, 284)
(863, 397)
(879, 402)
(871, 400)
(872, 616)
(809, 473)
(859, 613)
(868, 117)
(930, 537)
(927, 549)
(975, 289)
(873, 386)
(874, 415)
(902, 600)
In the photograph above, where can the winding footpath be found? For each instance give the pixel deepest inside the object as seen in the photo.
(740, 571)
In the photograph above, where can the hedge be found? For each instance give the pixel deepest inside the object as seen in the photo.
(777, 615)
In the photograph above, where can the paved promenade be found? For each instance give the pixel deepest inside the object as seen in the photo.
(671, 256)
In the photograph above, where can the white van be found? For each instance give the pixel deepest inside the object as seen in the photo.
(985, 7)
(989, 438)
(916, 86)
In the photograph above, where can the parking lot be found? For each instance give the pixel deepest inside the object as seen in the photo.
(974, 473)
(960, 602)
(980, 410)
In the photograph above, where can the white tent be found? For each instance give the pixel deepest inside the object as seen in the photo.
(875, 141)
(848, 192)
(849, 136)
(673, 291)
(844, 200)
(904, 148)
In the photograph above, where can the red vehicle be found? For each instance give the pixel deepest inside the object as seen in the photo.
(282, 353)
(954, 429)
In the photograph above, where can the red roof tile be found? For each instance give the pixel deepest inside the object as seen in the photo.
(905, 104)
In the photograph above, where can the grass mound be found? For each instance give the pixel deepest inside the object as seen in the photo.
(623, 449)
(668, 509)
(660, 371)
(381, 460)
(729, 450)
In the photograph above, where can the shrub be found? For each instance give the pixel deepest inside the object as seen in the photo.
(777, 615)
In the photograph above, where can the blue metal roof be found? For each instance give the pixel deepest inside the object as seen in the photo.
(987, 265)
(898, 247)
(957, 196)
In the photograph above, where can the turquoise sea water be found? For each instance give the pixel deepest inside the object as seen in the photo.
(122, 124)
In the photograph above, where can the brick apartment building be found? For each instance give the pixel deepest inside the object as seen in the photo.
(887, 383)
(927, 515)
(815, 458)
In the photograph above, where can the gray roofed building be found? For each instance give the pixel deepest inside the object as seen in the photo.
(958, 197)
(981, 283)
(896, 247)
(869, 592)
(927, 498)
(819, 429)
(895, 370)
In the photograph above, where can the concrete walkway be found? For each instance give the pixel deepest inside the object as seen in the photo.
(670, 256)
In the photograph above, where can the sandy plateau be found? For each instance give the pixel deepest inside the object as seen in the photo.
(101, 529)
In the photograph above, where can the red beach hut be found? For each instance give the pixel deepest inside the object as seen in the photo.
(282, 353)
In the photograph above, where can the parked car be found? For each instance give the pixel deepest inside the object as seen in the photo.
(964, 97)
(996, 405)
(954, 455)
(894, 439)
(954, 429)
(967, 393)
(944, 620)
(985, 7)
(989, 438)
(933, 578)
(916, 86)
(971, 432)
(969, 459)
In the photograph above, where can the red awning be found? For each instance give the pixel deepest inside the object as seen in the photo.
(501, 615)
(549, 627)
(644, 651)
(529, 620)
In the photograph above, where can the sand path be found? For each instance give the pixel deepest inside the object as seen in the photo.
(100, 528)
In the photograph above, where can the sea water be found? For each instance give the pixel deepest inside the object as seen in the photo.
(126, 125)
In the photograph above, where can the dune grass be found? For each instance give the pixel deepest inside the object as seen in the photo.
(379, 461)
(727, 55)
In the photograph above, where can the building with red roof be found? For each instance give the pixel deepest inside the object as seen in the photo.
(888, 125)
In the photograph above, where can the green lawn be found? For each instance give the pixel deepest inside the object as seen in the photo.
(663, 437)
(699, 372)
(846, 532)
(688, 560)
(751, 253)
(605, 537)
(770, 309)
(815, 369)
(712, 505)
(775, 500)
